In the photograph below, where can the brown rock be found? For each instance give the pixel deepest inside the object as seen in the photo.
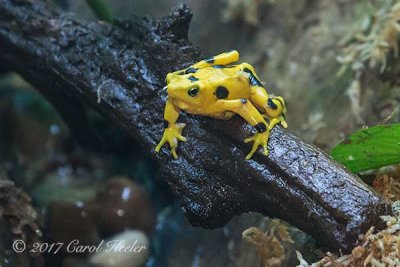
(72, 223)
(123, 204)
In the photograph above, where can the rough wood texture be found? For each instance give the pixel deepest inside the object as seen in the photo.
(126, 65)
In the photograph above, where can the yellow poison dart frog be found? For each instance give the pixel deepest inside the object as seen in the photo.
(217, 88)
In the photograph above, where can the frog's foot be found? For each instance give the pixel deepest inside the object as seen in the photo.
(259, 139)
(278, 120)
(171, 135)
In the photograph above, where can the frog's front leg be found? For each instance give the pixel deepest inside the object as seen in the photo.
(173, 130)
(247, 111)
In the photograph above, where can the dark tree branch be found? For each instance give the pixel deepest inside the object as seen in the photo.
(126, 67)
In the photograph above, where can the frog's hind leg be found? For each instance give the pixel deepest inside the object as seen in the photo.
(223, 59)
(276, 111)
(274, 106)
(247, 111)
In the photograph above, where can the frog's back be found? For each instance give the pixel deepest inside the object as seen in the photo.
(226, 82)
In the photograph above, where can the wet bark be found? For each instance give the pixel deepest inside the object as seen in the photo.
(120, 70)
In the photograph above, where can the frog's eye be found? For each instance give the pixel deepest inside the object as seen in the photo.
(193, 91)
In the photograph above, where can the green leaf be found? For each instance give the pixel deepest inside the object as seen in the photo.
(101, 9)
(370, 148)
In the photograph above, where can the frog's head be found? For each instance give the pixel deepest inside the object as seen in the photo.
(185, 89)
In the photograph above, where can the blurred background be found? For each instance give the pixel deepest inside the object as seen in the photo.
(324, 57)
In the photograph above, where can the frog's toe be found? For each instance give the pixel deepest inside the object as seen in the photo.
(162, 142)
(178, 133)
(265, 150)
(253, 150)
(281, 120)
(248, 140)
(180, 125)
(158, 147)
(284, 123)
(259, 139)
(173, 144)
(181, 138)
(173, 152)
